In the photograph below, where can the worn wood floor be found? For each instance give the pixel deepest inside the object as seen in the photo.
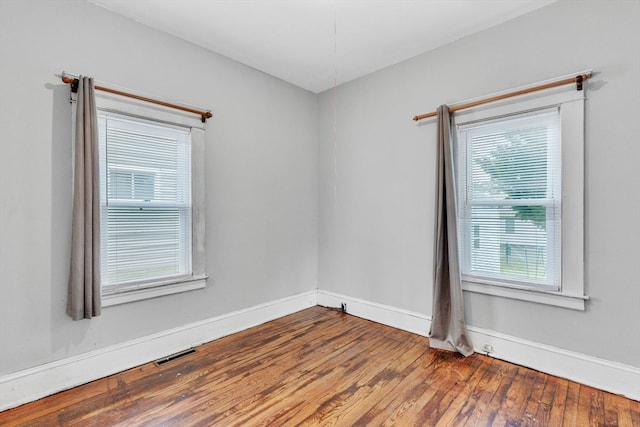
(321, 367)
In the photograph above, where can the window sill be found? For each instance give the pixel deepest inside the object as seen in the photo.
(559, 299)
(158, 290)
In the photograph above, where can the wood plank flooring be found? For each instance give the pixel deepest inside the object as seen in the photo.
(322, 367)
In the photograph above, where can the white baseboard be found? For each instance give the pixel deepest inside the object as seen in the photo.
(599, 373)
(34, 383)
(387, 315)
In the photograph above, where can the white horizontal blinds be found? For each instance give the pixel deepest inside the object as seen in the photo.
(146, 195)
(510, 199)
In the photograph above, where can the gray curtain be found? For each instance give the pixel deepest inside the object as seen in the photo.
(84, 280)
(448, 330)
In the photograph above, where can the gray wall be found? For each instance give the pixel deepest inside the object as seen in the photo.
(376, 212)
(261, 176)
(280, 219)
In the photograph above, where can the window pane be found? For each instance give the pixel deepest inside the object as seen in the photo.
(146, 201)
(506, 247)
(509, 159)
(156, 158)
(510, 198)
(144, 243)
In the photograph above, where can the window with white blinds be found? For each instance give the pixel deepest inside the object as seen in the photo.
(509, 199)
(146, 202)
(519, 179)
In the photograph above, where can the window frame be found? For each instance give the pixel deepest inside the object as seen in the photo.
(468, 230)
(133, 109)
(571, 106)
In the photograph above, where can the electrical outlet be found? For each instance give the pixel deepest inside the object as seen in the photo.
(487, 348)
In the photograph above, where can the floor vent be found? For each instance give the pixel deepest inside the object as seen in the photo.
(174, 356)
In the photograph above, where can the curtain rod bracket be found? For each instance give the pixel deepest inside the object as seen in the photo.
(579, 82)
(74, 85)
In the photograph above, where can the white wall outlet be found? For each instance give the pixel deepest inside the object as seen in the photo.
(487, 348)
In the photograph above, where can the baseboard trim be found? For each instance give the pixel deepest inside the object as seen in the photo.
(35, 383)
(40, 381)
(598, 373)
(380, 313)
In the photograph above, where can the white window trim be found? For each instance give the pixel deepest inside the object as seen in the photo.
(198, 278)
(156, 290)
(571, 103)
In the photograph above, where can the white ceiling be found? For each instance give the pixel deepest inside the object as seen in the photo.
(316, 43)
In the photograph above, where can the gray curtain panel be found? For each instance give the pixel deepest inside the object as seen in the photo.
(84, 280)
(448, 329)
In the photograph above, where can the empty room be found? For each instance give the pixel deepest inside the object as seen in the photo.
(319, 212)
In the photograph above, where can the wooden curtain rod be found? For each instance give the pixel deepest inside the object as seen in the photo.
(577, 80)
(203, 114)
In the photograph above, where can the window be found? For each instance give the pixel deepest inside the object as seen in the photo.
(152, 201)
(145, 195)
(510, 197)
(519, 195)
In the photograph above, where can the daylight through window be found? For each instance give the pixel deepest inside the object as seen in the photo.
(509, 175)
(146, 203)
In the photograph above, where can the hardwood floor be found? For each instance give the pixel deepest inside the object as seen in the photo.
(321, 367)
